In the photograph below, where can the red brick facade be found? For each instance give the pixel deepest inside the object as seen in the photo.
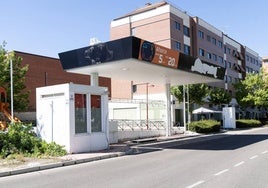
(45, 71)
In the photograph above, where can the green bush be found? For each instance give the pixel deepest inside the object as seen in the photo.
(247, 123)
(20, 139)
(205, 126)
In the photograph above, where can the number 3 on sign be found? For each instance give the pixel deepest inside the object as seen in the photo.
(171, 61)
(160, 60)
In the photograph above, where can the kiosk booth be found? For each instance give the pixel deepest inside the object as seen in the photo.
(228, 116)
(75, 116)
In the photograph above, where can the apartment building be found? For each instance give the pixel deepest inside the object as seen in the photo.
(166, 25)
(253, 62)
(265, 64)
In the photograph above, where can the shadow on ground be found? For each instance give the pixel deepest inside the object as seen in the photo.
(213, 142)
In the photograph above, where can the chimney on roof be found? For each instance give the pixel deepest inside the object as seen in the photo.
(148, 4)
(94, 41)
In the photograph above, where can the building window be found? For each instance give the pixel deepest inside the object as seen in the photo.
(186, 31)
(177, 25)
(220, 59)
(80, 113)
(254, 61)
(201, 52)
(177, 45)
(214, 57)
(220, 44)
(96, 123)
(229, 64)
(187, 49)
(209, 56)
(201, 34)
(214, 41)
(229, 79)
(228, 50)
(208, 38)
(247, 57)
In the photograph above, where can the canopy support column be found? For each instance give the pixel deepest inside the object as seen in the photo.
(168, 121)
(94, 79)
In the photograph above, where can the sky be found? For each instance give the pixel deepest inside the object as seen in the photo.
(49, 27)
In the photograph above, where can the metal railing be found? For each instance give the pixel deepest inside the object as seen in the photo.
(126, 124)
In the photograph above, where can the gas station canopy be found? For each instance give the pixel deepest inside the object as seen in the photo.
(135, 59)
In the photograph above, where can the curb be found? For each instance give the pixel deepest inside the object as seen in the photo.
(62, 164)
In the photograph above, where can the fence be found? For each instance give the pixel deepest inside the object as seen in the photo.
(133, 129)
(125, 124)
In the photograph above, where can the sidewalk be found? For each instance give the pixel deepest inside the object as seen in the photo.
(114, 150)
(31, 164)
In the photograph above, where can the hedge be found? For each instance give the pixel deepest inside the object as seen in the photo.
(205, 126)
(247, 123)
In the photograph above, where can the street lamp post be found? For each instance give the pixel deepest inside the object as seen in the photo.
(11, 90)
(147, 107)
(184, 109)
(9, 57)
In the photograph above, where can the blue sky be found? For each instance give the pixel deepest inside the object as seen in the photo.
(48, 27)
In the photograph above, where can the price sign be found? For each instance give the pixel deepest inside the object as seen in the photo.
(159, 55)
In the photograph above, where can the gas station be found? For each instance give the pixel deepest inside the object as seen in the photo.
(76, 116)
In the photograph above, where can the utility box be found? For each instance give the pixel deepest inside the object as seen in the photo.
(74, 116)
(228, 115)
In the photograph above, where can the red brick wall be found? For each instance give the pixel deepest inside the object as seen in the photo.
(44, 71)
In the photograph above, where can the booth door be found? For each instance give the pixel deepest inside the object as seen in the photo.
(55, 119)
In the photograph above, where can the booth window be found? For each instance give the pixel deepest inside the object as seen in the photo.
(80, 113)
(96, 123)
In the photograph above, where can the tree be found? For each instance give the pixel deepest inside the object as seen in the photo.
(20, 95)
(219, 96)
(197, 92)
(253, 91)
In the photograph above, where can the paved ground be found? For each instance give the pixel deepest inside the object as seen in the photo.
(115, 150)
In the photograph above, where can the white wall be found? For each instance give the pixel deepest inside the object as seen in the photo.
(52, 114)
(229, 120)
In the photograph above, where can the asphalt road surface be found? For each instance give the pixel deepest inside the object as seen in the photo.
(230, 161)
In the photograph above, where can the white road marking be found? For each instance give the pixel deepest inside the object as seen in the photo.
(196, 184)
(253, 157)
(238, 164)
(226, 170)
(221, 172)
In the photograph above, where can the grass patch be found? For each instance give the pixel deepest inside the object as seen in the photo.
(20, 141)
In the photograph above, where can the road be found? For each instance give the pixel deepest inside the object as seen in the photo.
(229, 161)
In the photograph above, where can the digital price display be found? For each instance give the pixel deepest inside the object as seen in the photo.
(158, 54)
